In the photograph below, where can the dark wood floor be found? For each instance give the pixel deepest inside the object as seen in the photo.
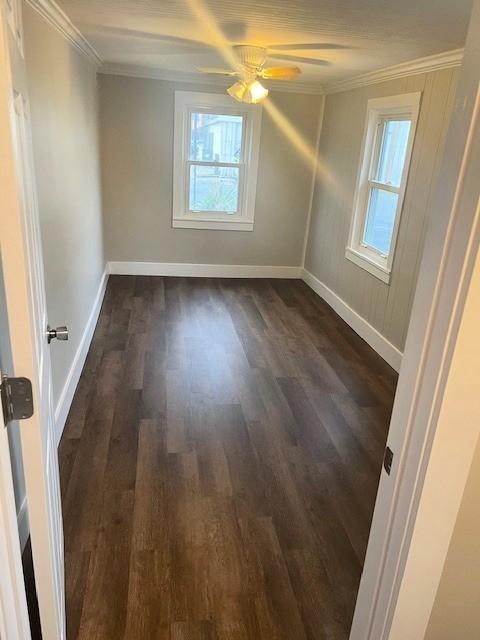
(220, 464)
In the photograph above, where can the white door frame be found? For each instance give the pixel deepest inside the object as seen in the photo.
(14, 622)
(407, 549)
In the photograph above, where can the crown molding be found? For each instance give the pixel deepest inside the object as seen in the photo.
(57, 18)
(138, 71)
(444, 60)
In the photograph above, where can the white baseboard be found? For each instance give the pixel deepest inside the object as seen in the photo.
(66, 397)
(374, 338)
(22, 522)
(202, 270)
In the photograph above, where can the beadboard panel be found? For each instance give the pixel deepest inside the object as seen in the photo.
(385, 306)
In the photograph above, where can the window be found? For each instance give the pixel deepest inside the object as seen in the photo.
(216, 144)
(385, 159)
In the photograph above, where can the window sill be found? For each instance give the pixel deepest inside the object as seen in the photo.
(377, 270)
(225, 225)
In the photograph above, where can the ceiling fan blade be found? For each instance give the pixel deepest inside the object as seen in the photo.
(106, 30)
(289, 58)
(280, 73)
(306, 46)
(218, 72)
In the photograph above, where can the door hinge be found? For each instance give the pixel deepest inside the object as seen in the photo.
(387, 460)
(17, 398)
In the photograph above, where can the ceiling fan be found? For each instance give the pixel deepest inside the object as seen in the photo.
(251, 67)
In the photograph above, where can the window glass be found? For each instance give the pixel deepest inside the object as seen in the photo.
(213, 188)
(393, 151)
(380, 220)
(216, 138)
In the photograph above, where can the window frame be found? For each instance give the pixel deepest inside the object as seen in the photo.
(186, 103)
(379, 111)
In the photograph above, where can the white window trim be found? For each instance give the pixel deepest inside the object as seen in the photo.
(185, 103)
(407, 104)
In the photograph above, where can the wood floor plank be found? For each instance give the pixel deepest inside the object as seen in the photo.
(148, 602)
(188, 515)
(214, 472)
(104, 610)
(311, 432)
(150, 526)
(76, 573)
(246, 477)
(284, 499)
(321, 615)
(276, 606)
(204, 630)
(82, 504)
(220, 463)
(121, 469)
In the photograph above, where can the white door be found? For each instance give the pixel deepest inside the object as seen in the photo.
(20, 250)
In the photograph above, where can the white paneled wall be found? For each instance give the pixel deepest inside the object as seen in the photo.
(385, 307)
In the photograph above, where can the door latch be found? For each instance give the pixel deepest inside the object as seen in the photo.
(60, 333)
(387, 460)
(17, 398)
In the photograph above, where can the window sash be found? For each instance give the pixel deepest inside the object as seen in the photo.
(209, 163)
(216, 112)
(381, 126)
(384, 186)
(380, 187)
(213, 214)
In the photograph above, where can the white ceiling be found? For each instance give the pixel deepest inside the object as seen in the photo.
(330, 40)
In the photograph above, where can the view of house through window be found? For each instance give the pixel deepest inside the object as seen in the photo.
(215, 154)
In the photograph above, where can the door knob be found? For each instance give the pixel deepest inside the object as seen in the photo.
(60, 333)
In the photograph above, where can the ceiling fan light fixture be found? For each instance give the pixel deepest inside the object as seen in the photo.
(237, 91)
(249, 92)
(256, 92)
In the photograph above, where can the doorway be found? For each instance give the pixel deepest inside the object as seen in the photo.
(150, 352)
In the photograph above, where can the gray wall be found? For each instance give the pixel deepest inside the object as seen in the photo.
(386, 307)
(136, 118)
(456, 611)
(63, 99)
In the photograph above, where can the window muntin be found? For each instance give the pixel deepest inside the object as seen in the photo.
(380, 219)
(215, 161)
(381, 183)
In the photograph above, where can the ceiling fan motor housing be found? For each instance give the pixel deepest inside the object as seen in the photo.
(250, 56)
